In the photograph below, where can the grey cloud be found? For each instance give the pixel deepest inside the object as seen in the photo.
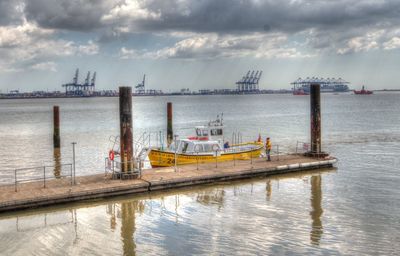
(79, 15)
(10, 12)
(222, 16)
(253, 16)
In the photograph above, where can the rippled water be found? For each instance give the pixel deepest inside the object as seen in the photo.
(353, 210)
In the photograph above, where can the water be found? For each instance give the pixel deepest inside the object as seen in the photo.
(352, 210)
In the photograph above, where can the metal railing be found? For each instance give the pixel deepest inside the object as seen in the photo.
(114, 168)
(302, 147)
(34, 174)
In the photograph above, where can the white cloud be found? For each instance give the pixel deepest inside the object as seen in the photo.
(125, 53)
(393, 43)
(24, 44)
(212, 45)
(369, 41)
(45, 66)
(132, 10)
(89, 49)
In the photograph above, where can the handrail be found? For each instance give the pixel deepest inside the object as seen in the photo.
(38, 175)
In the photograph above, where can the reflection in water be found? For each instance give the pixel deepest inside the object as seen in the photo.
(128, 227)
(57, 162)
(126, 212)
(269, 190)
(211, 197)
(316, 210)
(26, 223)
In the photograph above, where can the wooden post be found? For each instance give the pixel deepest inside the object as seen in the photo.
(170, 133)
(126, 134)
(315, 103)
(56, 124)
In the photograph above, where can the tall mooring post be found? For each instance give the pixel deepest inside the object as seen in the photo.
(170, 133)
(126, 134)
(56, 124)
(315, 103)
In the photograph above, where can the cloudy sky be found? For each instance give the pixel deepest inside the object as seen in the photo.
(198, 43)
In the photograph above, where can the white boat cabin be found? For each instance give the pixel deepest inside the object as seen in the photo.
(209, 139)
(188, 146)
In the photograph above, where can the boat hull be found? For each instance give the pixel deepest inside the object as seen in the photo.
(160, 158)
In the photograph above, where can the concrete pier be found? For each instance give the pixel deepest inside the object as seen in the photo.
(59, 191)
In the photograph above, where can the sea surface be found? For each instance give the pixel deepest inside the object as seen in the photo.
(353, 209)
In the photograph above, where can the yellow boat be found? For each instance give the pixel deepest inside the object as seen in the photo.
(159, 158)
(207, 146)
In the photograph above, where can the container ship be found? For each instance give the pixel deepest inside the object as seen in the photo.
(302, 86)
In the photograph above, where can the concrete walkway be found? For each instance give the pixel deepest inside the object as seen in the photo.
(58, 191)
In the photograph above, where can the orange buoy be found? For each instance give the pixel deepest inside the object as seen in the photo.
(111, 155)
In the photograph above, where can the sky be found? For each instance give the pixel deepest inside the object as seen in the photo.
(198, 44)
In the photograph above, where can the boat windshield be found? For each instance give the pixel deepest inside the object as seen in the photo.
(184, 146)
(201, 132)
(215, 132)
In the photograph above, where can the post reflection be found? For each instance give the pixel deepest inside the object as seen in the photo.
(316, 210)
(126, 211)
(268, 188)
(128, 227)
(57, 162)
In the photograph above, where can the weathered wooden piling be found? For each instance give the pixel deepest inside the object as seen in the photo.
(56, 125)
(170, 133)
(126, 133)
(57, 162)
(315, 104)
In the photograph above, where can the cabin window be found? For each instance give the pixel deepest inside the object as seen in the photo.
(198, 132)
(205, 133)
(207, 148)
(211, 147)
(184, 146)
(198, 148)
(215, 132)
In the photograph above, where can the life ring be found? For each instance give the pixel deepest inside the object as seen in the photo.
(111, 155)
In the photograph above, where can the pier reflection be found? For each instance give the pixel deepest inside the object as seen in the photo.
(211, 197)
(57, 162)
(316, 210)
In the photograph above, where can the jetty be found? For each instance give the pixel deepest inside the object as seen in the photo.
(130, 178)
(60, 191)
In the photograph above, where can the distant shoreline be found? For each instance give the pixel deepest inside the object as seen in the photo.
(16, 97)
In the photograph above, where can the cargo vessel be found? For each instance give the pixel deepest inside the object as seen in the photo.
(363, 91)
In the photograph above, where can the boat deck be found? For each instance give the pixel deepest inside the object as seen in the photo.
(33, 194)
